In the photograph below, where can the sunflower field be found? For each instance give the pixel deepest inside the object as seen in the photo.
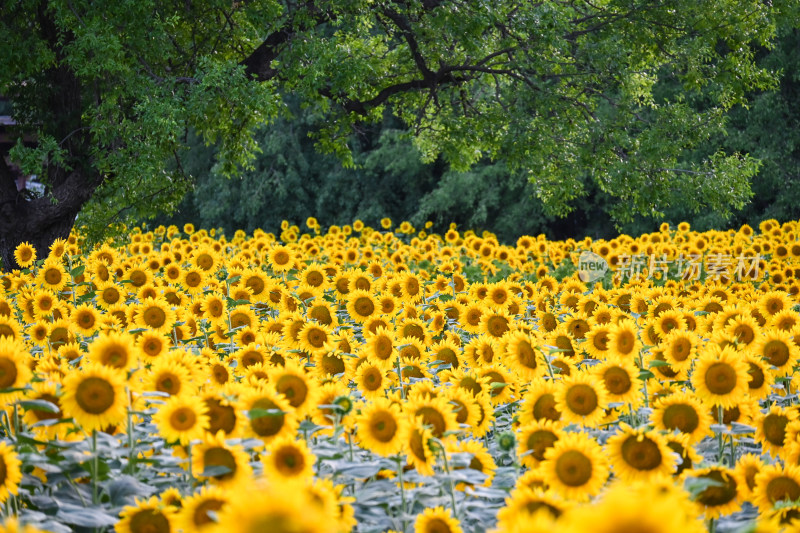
(360, 379)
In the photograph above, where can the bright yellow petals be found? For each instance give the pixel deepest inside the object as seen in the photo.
(281, 258)
(575, 466)
(581, 400)
(720, 376)
(639, 455)
(155, 314)
(777, 348)
(220, 463)
(623, 342)
(522, 355)
(146, 515)
(95, 397)
(436, 520)
(269, 414)
(776, 483)
(10, 472)
(287, 459)
(115, 350)
(663, 509)
(381, 427)
(196, 511)
(24, 255)
(181, 419)
(682, 412)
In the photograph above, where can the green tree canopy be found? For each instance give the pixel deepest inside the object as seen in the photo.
(561, 92)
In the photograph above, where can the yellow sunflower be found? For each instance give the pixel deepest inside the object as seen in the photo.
(276, 508)
(269, 414)
(496, 323)
(778, 349)
(287, 459)
(194, 512)
(581, 400)
(480, 460)
(381, 348)
(682, 411)
(223, 464)
(418, 451)
(95, 397)
(114, 350)
(663, 509)
(86, 319)
(10, 472)
(24, 254)
(147, 516)
(152, 345)
(52, 275)
(168, 375)
(299, 388)
(435, 413)
(10, 328)
(679, 348)
(15, 372)
(720, 376)
(156, 314)
(521, 355)
(621, 380)
(436, 520)
(776, 483)
(596, 343)
(640, 455)
(181, 419)
(281, 258)
(539, 403)
(534, 439)
(193, 280)
(44, 421)
(381, 428)
(371, 380)
(464, 407)
(771, 428)
(748, 466)
(315, 339)
(361, 305)
(220, 408)
(623, 342)
(576, 466)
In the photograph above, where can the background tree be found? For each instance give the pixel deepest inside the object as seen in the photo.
(562, 92)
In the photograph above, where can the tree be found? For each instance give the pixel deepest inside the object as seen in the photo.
(561, 91)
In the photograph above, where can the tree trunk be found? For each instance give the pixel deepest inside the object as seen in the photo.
(40, 221)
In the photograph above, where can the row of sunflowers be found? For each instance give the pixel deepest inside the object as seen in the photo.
(359, 379)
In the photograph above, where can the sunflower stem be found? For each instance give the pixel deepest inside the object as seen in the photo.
(720, 419)
(6, 423)
(95, 467)
(16, 422)
(189, 470)
(350, 444)
(72, 281)
(450, 484)
(131, 440)
(402, 493)
(400, 379)
(644, 382)
(712, 525)
(549, 368)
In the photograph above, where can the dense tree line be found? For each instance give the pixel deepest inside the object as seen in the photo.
(293, 180)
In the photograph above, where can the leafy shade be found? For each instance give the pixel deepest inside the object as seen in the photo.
(562, 92)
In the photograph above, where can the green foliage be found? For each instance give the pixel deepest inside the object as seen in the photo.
(565, 95)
